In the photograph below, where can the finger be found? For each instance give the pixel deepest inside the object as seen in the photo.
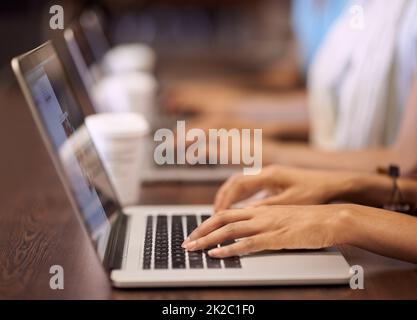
(218, 221)
(292, 196)
(238, 188)
(230, 231)
(242, 247)
(283, 198)
(221, 193)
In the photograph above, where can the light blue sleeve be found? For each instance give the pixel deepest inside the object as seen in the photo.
(311, 20)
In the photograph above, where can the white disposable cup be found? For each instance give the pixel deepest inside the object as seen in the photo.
(129, 57)
(128, 92)
(120, 139)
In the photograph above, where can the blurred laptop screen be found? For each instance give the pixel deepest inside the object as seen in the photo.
(63, 121)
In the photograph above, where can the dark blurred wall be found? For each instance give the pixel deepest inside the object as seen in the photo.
(246, 30)
(24, 25)
(19, 27)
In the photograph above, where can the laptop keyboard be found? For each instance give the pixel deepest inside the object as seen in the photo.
(162, 248)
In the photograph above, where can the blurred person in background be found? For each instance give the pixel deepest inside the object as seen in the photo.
(363, 95)
(362, 111)
(283, 81)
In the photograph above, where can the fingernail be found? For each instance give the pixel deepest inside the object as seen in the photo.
(191, 245)
(187, 240)
(213, 252)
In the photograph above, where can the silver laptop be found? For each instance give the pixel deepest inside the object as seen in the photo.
(141, 246)
(82, 55)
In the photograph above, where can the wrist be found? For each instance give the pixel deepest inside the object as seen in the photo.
(408, 189)
(368, 189)
(347, 187)
(345, 224)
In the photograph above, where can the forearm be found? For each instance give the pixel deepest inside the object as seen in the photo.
(275, 104)
(383, 232)
(308, 157)
(371, 189)
(289, 129)
(296, 129)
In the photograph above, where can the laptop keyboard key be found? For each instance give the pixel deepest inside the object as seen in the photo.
(147, 248)
(191, 224)
(161, 243)
(195, 258)
(212, 263)
(177, 237)
(231, 262)
(204, 217)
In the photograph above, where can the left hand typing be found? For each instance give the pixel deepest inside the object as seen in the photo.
(267, 228)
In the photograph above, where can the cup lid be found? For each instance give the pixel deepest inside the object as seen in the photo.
(138, 81)
(126, 57)
(118, 125)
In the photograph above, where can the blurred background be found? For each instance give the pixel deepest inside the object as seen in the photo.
(241, 35)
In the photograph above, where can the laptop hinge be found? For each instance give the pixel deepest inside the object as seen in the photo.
(113, 257)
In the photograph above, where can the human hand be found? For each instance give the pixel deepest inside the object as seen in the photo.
(268, 228)
(202, 98)
(285, 186)
(219, 139)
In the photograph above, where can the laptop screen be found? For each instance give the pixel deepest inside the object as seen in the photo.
(63, 123)
(91, 23)
(80, 61)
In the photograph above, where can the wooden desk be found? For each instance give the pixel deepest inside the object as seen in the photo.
(38, 229)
